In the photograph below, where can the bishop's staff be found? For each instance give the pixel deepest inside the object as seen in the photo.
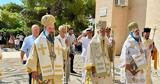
(111, 48)
(66, 57)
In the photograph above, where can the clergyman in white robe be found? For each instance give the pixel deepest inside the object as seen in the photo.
(98, 65)
(131, 48)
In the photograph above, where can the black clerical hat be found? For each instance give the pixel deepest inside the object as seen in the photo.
(146, 30)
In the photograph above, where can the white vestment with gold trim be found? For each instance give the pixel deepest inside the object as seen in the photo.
(62, 52)
(98, 65)
(43, 59)
(131, 48)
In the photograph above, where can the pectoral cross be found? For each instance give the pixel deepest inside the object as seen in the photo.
(42, 49)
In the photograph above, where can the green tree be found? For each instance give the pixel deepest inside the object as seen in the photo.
(12, 7)
(11, 22)
(73, 12)
(30, 17)
(15, 17)
(90, 8)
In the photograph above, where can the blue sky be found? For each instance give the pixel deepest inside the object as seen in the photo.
(2, 2)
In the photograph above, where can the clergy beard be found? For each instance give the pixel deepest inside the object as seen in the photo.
(146, 37)
(136, 36)
(102, 37)
(51, 33)
(50, 37)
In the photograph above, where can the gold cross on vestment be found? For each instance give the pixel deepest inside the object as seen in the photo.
(58, 49)
(42, 49)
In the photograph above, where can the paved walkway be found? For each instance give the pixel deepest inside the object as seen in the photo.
(13, 72)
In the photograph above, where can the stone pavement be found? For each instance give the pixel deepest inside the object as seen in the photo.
(13, 72)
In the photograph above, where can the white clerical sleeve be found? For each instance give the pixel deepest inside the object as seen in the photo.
(124, 55)
(89, 60)
(32, 60)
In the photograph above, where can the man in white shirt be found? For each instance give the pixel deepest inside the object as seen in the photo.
(21, 38)
(85, 42)
(71, 38)
(27, 45)
(16, 42)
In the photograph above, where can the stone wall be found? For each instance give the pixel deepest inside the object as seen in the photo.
(144, 12)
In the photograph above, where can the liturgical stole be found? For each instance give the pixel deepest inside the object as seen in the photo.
(99, 59)
(44, 57)
(58, 63)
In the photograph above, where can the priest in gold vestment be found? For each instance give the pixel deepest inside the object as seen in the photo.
(148, 46)
(42, 61)
(98, 65)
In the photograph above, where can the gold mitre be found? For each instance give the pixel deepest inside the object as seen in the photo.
(132, 26)
(47, 20)
(101, 24)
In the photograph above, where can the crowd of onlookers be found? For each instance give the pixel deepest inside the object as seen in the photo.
(10, 40)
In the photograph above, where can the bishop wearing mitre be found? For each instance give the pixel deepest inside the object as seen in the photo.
(44, 63)
(98, 64)
(132, 58)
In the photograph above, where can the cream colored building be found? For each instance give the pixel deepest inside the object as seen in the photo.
(118, 13)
